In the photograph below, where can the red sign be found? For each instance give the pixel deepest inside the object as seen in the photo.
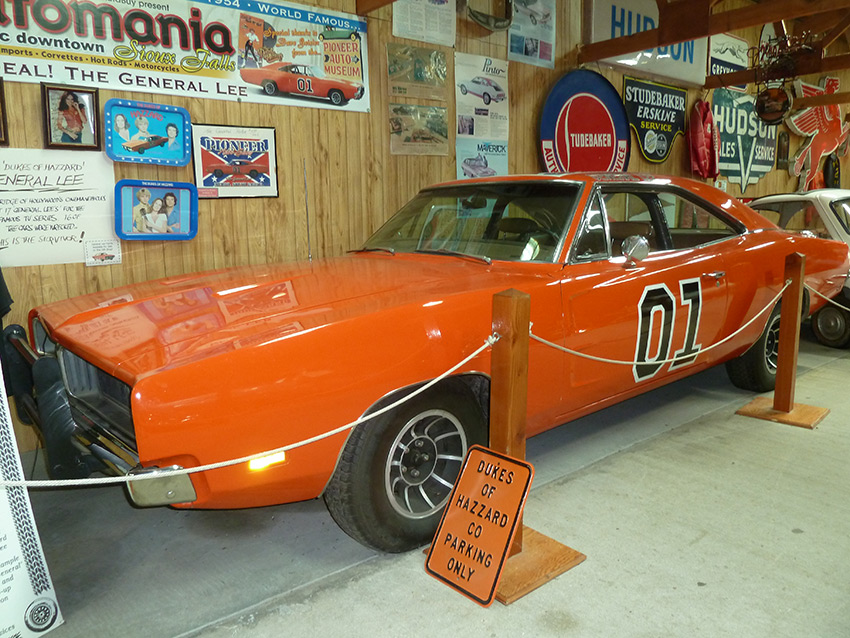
(479, 523)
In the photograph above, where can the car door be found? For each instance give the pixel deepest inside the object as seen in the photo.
(668, 306)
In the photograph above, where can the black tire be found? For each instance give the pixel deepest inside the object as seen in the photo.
(463, 89)
(486, 97)
(253, 173)
(831, 326)
(415, 451)
(269, 87)
(218, 173)
(756, 369)
(336, 97)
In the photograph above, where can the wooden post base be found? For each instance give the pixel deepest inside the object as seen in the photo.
(542, 559)
(801, 416)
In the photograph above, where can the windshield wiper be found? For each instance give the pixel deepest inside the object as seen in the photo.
(374, 249)
(454, 253)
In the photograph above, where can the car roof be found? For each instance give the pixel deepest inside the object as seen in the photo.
(827, 194)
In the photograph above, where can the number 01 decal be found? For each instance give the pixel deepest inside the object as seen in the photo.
(656, 318)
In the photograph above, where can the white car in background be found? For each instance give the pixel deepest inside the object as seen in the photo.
(823, 213)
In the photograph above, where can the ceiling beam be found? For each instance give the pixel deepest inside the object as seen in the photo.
(680, 21)
(368, 6)
(821, 100)
(806, 63)
(835, 32)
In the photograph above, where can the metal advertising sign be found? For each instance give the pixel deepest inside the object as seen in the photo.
(823, 127)
(656, 114)
(747, 145)
(478, 525)
(684, 61)
(728, 53)
(584, 125)
(239, 50)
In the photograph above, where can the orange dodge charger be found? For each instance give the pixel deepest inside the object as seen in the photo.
(301, 79)
(198, 369)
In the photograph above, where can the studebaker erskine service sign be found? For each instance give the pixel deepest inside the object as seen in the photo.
(584, 126)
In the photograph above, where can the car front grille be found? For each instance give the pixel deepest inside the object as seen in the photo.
(102, 400)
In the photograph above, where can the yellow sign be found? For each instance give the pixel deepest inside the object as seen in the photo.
(478, 525)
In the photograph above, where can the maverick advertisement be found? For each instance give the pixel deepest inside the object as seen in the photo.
(218, 49)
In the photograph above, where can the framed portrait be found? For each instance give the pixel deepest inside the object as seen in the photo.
(145, 133)
(155, 211)
(70, 116)
(4, 125)
(235, 161)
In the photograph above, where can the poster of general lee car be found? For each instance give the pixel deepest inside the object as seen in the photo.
(146, 133)
(235, 161)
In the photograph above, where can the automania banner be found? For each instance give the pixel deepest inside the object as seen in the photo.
(213, 49)
(747, 145)
(656, 114)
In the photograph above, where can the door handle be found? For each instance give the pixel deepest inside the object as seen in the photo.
(717, 275)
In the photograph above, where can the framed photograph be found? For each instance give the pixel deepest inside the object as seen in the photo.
(70, 115)
(145, 133)
(235, 161)
(4, 126)
(155, 211)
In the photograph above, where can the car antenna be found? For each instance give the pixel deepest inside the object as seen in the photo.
(307, 211)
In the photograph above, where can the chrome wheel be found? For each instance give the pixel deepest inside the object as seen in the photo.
(425, 459)
(771, 344)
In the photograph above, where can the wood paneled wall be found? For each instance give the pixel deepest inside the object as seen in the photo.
(334, 168)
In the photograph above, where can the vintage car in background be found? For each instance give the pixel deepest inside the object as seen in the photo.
(140, 146)
(485, 88)
(822, 213)
(476, 167)
(301, 79)
(238, 167)
(199, 369)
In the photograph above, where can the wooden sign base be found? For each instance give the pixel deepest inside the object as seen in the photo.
(801, 416)
(542, 559)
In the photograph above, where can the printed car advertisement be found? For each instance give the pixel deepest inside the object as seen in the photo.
(532, 35)
(482, 96)
(245, 50)
(481, 158)
(235, 161)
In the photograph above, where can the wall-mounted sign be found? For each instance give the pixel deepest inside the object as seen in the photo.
(656, 113)
(146, 133)
(233, 50)
(747, 145)
(684, 61)
(163, 211)
(584, 125)
(728, 53)
(822, 125)
(235, 161)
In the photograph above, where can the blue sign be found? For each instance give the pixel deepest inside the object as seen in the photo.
(144, 133)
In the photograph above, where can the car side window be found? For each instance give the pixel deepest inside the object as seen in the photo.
(807, 218)
(629, 214)
(591, 243)
(690, 224)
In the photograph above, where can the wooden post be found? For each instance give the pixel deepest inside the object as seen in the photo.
(509, 380)
(541, 558)
(783, 409)
(789, 333)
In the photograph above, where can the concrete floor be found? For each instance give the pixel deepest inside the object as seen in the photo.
(695, 522)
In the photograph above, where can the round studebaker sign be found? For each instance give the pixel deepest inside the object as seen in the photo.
(584, 125)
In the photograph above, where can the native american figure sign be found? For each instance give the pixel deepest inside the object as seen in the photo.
(822, 125)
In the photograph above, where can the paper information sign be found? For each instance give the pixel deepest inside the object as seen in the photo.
(27, 600)
(478, 525)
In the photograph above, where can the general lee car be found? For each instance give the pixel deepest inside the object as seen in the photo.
(822, 213)
(199, 369)
(301, 79)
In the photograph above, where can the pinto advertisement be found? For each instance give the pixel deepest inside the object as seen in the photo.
(214, 49)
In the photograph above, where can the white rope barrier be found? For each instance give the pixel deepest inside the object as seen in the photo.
(663, 361)
(488, 343)
(823, 296)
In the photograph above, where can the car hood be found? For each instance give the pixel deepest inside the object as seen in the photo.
(137, 329)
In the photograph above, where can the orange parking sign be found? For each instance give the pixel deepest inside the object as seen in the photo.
(478, 525)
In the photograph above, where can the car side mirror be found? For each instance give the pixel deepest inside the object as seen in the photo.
(635, 248)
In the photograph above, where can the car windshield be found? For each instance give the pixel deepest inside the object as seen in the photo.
(841, 208)
(504, 221)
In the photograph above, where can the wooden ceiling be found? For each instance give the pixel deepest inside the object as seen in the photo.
(678, 20)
